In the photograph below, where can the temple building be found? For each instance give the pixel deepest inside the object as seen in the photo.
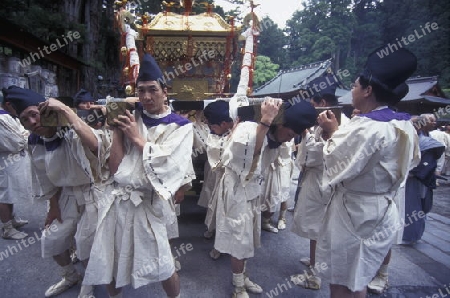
(292, 84)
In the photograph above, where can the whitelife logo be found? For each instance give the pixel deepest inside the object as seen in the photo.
(71, 36)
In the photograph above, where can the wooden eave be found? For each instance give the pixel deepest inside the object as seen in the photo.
(16, 36)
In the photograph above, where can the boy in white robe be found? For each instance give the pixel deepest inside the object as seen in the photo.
(277, 166)
(83, 100)
(238, 227)
(201, 134)
(220, 125)
(15, 172)
(62, 175)
(277, 162)
(149, 158)
(311, 207)
(365, 163)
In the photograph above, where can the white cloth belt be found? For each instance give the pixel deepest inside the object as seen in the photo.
(388, 194)
(135, 196)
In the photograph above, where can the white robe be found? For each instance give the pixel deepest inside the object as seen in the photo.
(131, 244)
(68, 168)
(365, 163)
(311, 205)
(102, 180)
(444, 138)
(238, 227)
(201, 134)
(209, 181)
(15, 167)
(172, 210)
(310, 209)
(215, 149)
(276, 166)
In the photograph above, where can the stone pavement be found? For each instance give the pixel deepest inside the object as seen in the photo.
(422, 270)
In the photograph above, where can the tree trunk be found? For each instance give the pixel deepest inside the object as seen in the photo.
(92, 18)
(72, 9)
(337, 58)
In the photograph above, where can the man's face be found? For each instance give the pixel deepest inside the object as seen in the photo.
(283, 134)
(152, 96)
(321, 104)
(85, 105)
(220, 129)
(359, 94)
(31, 120)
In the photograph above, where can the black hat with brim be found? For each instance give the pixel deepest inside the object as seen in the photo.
(299, 116)
(82, 96)
(21, 99)
(217, 112)
(389, 71)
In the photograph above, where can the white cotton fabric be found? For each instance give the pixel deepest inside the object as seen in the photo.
(59, 237)
(209, 181)
(172, 211)
(201, 134)
(131, 244)
(444, 138)
(215, 149)
(68, 168)
(276, 168)
(238, 214)
(399, 200)
(311, 205)
(365, 163)
(15, 167)
(88, 221)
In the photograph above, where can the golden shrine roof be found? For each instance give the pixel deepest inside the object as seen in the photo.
(169, 23)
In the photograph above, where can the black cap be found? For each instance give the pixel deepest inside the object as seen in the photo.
(149, 70)
(391, 70)
(82, 96)
(217, 111)
(21, 99)
(399, 92)
(299, 116)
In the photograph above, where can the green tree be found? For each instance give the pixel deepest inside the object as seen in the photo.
(321, 31)
(366, 36)
(264, 70)
(272, 41)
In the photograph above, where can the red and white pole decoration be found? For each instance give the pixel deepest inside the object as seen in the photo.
(130, 41)
(240, 97)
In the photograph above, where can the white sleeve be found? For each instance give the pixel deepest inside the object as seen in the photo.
(239, 154)
(12, 135)
(166, 163)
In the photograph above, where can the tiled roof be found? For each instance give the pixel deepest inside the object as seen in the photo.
(293, 79)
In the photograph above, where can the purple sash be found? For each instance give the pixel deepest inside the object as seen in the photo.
(386, 115)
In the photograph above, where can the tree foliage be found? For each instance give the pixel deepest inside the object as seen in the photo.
(321, 31)
(348, 30)
(272, 41)
(343, 30)
(265, 70)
